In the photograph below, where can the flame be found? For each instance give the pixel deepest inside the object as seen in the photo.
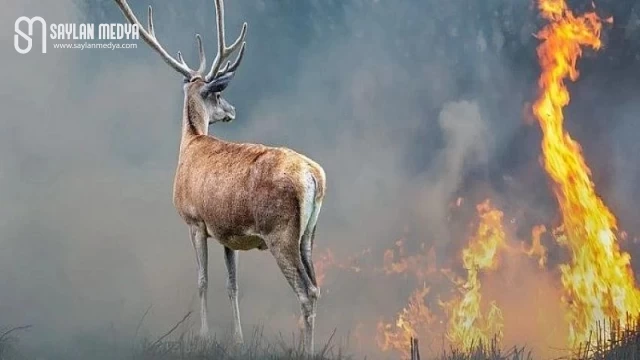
(537, 249)
(598, 281)
(326, 260)
(467, 326)
(420, 265)
(414, 319)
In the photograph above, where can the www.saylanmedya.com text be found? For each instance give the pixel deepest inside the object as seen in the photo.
(88, 45)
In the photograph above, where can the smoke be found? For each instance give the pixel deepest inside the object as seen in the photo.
(406, 105)
(467, 137)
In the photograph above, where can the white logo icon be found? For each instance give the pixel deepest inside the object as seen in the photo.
(20, 33)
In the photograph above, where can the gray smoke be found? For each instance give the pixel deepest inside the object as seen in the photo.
(405, 104)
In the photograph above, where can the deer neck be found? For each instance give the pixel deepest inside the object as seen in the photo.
(195, 121)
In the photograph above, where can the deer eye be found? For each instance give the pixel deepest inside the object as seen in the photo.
(218, 96)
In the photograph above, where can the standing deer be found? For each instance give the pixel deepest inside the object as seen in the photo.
(246, 196)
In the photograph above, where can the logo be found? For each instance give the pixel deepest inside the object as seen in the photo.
(20, 33)
(74, 35)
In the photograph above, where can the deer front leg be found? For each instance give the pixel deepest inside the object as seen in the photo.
(199, 240)
(231, 260)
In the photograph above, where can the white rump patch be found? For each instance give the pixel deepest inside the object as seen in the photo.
(307, 205)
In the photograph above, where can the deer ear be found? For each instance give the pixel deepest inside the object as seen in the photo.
(218, 84)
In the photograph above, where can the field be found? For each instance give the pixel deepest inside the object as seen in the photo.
(624, 345)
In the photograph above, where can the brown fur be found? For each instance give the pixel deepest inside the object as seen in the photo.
(241, 192)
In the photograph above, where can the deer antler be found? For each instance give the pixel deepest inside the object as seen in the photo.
(179, 65)
(149, 37)
(223, 50)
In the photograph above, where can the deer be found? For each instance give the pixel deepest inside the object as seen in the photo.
(244, 196)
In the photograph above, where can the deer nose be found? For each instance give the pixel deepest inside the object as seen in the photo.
(231, 114)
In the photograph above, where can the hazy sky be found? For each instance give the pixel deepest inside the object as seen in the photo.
(406, 104)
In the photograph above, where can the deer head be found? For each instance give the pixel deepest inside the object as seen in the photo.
(203, 90)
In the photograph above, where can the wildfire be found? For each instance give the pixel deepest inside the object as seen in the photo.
(467, 326)
(414, 319)
(326, 260)
(537, 249)
(421, 265)
(598, 281)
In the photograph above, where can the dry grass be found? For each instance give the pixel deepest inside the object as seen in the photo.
(624, 344)
(190, 347)
(186, 346)
(489, 351)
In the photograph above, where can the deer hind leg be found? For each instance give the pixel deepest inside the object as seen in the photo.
(198, 236)
(306, 248)
(306, 243)
(285, 247)
(231, 260)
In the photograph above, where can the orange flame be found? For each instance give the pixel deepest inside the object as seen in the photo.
(419, 265)
(467, 326)
(537, 249)
(598, 282)
(326, 260)
(414, 319)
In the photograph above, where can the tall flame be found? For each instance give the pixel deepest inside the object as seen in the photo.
(598, 281)
(467, 326)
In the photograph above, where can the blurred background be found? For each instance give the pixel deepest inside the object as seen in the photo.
(408, 105)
